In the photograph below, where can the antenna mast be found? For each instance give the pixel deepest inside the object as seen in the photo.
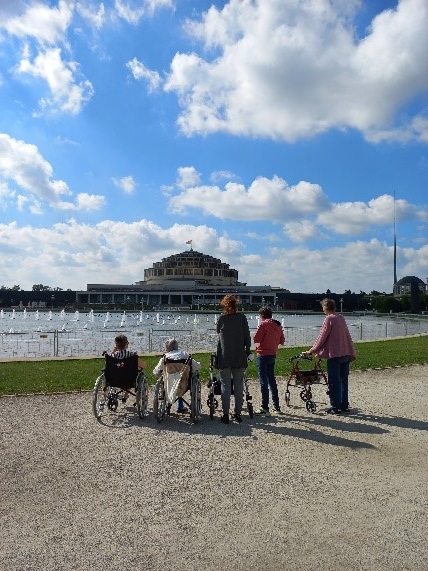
(395, 246)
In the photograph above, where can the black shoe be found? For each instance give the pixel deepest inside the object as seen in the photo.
(225, 419)
(346, 410)
(182, 410)
(237, 418)
(332, 410)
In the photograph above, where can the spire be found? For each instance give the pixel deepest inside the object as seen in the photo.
(395, 246)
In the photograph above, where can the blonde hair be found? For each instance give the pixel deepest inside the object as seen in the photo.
(229, 303)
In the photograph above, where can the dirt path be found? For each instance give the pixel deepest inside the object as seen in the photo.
(298, 492)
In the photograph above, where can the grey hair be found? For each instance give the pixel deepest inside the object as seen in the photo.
(171, 345)
(329, 304)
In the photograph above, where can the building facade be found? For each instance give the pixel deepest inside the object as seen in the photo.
(189, 279)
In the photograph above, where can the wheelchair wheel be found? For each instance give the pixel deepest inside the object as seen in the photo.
(195, 399)
(98, 397)
(287, 397)
(311, 406)
(142, 395)
(250, 409)
(211, 405)
(159, 404)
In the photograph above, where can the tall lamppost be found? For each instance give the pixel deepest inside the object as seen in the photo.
(341, 304)
(52, 300)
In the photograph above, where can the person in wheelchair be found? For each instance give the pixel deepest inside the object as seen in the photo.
(173, 353)
(121, 351)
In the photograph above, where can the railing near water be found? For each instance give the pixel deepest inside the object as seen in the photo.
(78, 343)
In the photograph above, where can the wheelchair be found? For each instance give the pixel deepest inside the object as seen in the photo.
(118, 376)
(177, 379)
(214, 390)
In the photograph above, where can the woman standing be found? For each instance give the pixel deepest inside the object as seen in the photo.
(334, 343)
(233, 348)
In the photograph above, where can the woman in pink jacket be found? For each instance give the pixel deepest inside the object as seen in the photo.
(334, 343)
(268, 336)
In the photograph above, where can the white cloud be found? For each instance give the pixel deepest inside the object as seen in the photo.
(132, 11)
(140, 71)
(95, 15)
(265, 199)
(23, 164)
(357, 217)
(45, 24)
(187, 177)
(67, 94)
(286, 70)
(126, 184)
(27, 253)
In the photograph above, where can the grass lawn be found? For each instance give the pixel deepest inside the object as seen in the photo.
(20, 377)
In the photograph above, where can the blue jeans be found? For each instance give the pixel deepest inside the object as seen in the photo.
(338, 373)
(180, 405)
(266, 368)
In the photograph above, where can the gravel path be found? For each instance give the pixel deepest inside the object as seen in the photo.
(299, 492)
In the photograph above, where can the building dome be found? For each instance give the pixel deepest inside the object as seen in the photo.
(409, 280)
(404, 286)
(191, 266)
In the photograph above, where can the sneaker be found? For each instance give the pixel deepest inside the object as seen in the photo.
(237, 418)
(346, 410)
(277, 410)
(333, 410)
(224, 419)
(183, 410)
(263, 411)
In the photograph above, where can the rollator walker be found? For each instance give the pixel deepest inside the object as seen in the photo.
(303, 379)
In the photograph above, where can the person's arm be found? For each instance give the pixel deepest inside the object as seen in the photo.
(157, 371)
(321, 339)
(247, 335)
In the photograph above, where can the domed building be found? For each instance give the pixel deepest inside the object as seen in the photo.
(191, 265)
(404, 286)
(189, 279)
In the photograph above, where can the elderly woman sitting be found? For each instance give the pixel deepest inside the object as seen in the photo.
(173, 353)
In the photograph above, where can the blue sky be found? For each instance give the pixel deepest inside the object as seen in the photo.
(273, 134)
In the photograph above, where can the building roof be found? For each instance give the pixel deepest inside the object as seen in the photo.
(409, 280)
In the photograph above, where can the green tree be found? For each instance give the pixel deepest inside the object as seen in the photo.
(41, 287)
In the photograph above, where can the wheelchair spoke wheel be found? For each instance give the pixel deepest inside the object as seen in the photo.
(211, 405)
(159, 404)
(311, 406)
(250, 408)
(99, 398)
(195, 399)
(142, 395)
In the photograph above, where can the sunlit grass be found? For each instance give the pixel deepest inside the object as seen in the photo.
(47, 376)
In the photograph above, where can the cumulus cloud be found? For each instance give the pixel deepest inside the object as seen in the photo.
(140, 71)
(44, 23)
(127, 184)
(265, 199)
(27, 253)
(22, 164)
(304, 209)
(288, 70)
(66, 93)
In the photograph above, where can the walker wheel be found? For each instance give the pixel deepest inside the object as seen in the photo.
(311, 406)
(250, 409)
(287, 397)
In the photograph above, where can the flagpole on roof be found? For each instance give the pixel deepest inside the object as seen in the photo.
(190, 242)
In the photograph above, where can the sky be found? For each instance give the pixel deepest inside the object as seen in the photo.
(283, 137)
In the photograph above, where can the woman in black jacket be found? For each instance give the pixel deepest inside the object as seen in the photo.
(233, 348)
